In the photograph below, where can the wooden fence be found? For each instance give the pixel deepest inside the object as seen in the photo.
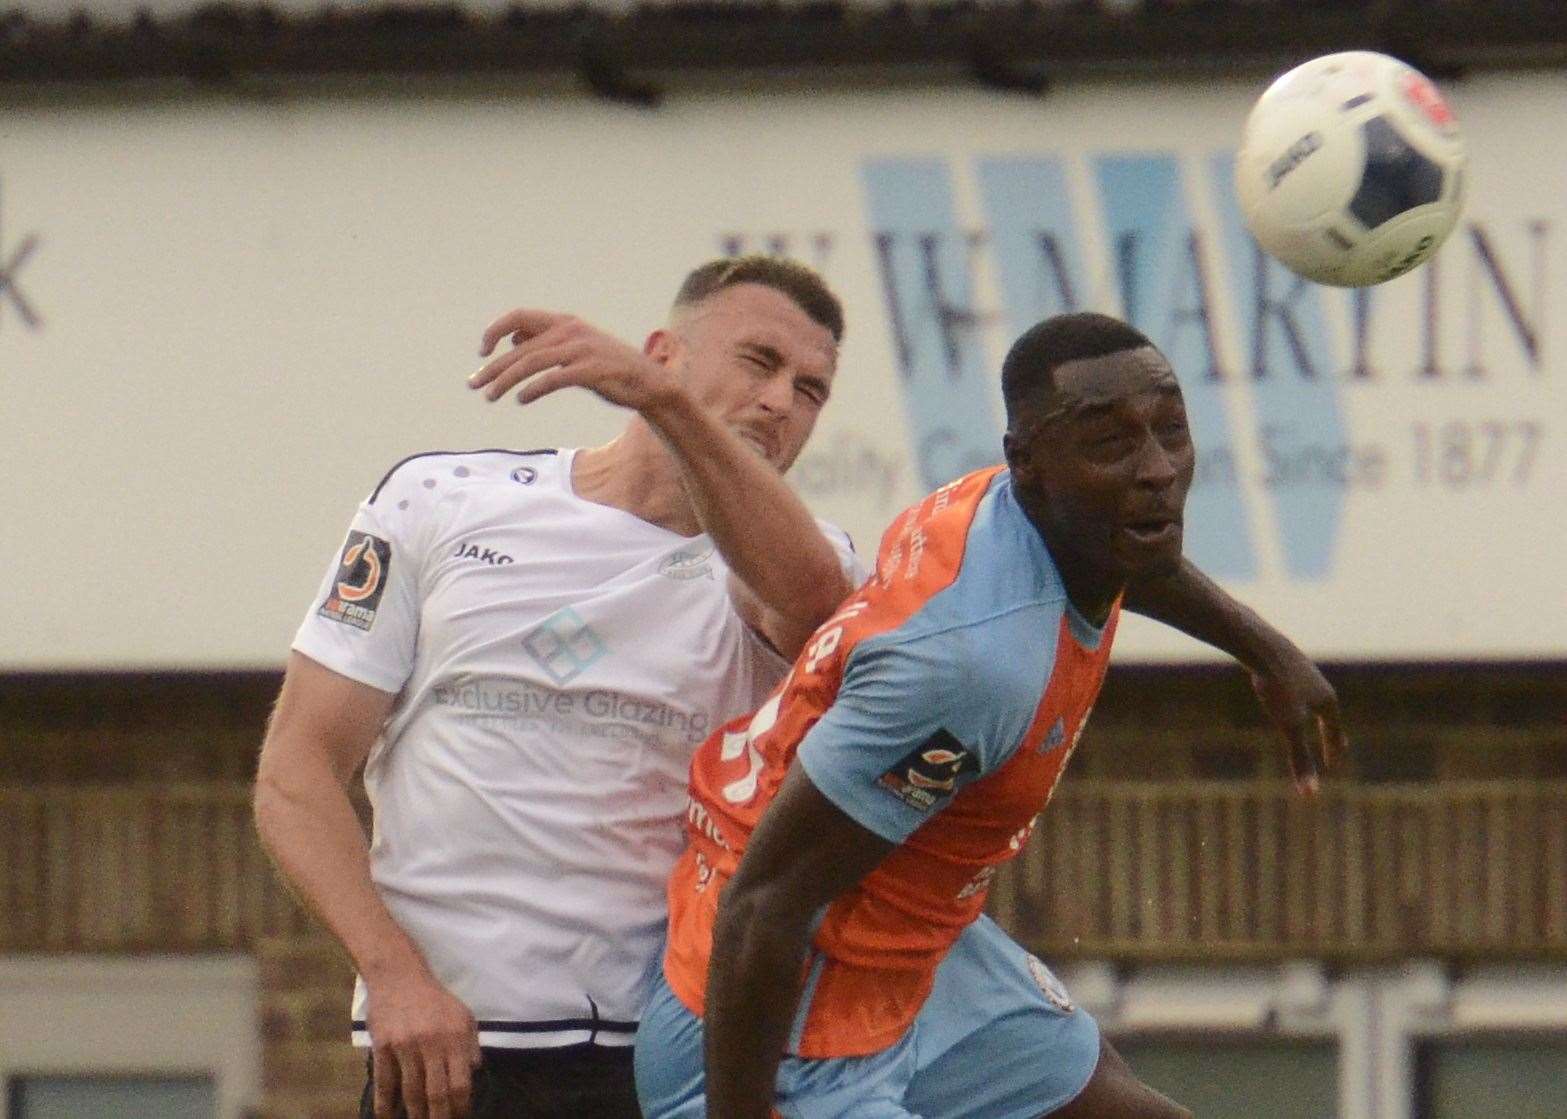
(136, 868)
(1251, 870)
(1122, 870)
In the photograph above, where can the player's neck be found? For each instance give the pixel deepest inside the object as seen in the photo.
(1089, 588)
(1090, 594)
(636, 474)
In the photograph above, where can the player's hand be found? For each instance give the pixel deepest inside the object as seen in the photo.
(425, 1048)
(552, 351)
(1304, 707)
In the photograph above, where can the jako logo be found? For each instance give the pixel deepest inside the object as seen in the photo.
(479, 552)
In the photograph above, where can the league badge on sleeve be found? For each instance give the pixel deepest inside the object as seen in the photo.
(360, 580)
(930, 773)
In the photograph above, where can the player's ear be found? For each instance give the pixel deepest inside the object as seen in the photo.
(661, 346)
(1016, 451)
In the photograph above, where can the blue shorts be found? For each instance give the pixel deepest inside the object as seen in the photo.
(997, 1039)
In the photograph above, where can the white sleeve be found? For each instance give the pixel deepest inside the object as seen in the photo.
(848, 558)
(364, 620)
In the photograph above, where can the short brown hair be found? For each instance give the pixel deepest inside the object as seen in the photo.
(799, 282)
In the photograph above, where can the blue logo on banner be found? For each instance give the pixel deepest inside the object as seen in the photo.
(946, 374)
(1163, 266)
(1293, 385)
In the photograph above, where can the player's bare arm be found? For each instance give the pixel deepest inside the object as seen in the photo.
(804, 853)
(425, 1040)
(1295, 694)
(787, 579)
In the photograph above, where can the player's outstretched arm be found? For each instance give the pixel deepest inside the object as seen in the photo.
(804, 853)
(425, 1040)
(788, 579)
(1295, 694)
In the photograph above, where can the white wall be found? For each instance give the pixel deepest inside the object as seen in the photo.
(69, 1016)
(1376, 1017)
(247, 310)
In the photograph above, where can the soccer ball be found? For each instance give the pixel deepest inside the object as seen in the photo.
(1350, 170)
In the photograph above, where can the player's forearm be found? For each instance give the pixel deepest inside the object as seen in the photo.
(1189, 601)
(308, 826)
(752, 993)
(761, 527)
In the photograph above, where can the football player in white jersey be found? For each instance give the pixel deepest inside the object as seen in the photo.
(524, 648)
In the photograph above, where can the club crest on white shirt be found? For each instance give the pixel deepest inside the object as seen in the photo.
(688, 563)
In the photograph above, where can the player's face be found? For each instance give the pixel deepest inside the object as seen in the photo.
(761, 364)
(1113, 463)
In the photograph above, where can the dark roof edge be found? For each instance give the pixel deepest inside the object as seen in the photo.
(617, 55)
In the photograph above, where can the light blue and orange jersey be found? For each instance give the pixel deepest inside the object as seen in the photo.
(937, 708)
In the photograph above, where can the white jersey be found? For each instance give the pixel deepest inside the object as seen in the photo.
(555, 662)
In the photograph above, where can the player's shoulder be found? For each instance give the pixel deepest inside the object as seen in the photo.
(425, 477)
(997, 600)
(1003, 641)
(971, 560)
(1006, 569)
(923, 548)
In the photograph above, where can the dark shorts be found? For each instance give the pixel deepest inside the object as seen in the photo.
(571, 1082)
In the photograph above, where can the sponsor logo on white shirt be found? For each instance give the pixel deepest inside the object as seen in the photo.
(564, 646)
(599, 713)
